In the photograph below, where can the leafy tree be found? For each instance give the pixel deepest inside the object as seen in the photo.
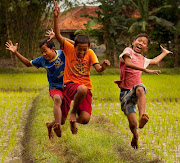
(25, 22)
(147, 17)
(156, 20)
(170, 36)
(174, 15)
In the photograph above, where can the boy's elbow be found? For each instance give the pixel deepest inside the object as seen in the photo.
(28, 64)
(98, 69)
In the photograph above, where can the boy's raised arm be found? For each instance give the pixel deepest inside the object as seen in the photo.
(13, 48)
(157, 59)
(56, 26)
(129, 64)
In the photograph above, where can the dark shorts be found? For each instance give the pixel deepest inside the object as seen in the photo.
(65, 106)
(70, 90)
(128, 99)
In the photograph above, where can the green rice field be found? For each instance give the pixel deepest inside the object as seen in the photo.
(160, 136)
(158, 139)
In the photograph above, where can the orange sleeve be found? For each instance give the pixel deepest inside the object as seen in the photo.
(93, 57)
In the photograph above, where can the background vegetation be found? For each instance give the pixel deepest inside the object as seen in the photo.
(25, 22)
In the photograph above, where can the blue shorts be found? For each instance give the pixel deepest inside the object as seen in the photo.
(128, 99)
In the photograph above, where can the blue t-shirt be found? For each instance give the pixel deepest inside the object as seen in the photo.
(55, 68)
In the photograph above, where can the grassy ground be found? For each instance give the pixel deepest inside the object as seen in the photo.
(25, 108)
(99, 141)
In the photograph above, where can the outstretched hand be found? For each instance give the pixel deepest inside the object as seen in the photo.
(9, 46)
(165, 50)
(50, 34)
(56, 9)
(152, 71)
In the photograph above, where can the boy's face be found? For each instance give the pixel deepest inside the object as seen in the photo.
(140, 45)
(47, 53)
(81, 50)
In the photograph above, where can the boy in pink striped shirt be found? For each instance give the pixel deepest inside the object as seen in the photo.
(132, 64)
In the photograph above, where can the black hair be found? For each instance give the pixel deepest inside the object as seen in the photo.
(81, 39)
(50, 44)
(143, 35)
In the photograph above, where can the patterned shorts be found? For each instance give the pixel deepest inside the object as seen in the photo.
(128, 99)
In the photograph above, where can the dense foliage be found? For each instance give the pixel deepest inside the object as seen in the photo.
(121, 20)
(25, 22)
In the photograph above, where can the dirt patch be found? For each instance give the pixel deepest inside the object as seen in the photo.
(26, 155)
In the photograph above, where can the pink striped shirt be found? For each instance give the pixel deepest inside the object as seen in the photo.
(128, 76)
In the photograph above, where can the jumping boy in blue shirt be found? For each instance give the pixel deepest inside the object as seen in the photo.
(53, 61)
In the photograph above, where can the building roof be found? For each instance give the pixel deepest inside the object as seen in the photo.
(72, 20)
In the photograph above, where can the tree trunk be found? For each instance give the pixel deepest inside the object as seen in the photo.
(176, 56)
(105, 36)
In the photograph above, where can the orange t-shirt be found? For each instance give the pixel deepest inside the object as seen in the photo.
(77, 70)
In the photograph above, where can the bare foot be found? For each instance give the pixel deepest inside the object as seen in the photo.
(134, 142)
(143, 120)
(50, 132)
(73, 127)
(57, 129)
(72, 119)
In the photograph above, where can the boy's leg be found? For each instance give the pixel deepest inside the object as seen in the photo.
(78, 98)
(85, 109)
(133, 127)
(57, 96)
(141, 102)
(83, 117)
(49, 126)
(57, 111)
(57, 114)
(128, 102)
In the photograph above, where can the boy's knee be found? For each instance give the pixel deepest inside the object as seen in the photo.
(85, 121)
(82, 89)
(57, 99)
(140, 91)
(133, 125)
(84, 117)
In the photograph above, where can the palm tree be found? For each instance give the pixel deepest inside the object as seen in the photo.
(147, 18)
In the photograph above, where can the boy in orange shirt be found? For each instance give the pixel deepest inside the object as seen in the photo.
(77, 84)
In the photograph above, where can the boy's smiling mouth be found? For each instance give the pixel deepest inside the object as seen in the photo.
(139, 47)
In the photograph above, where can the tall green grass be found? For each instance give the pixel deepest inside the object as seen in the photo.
(14, 107)
(97, 142)
(161, 135)
(23, 82)
(105, 139)
(18, 91)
